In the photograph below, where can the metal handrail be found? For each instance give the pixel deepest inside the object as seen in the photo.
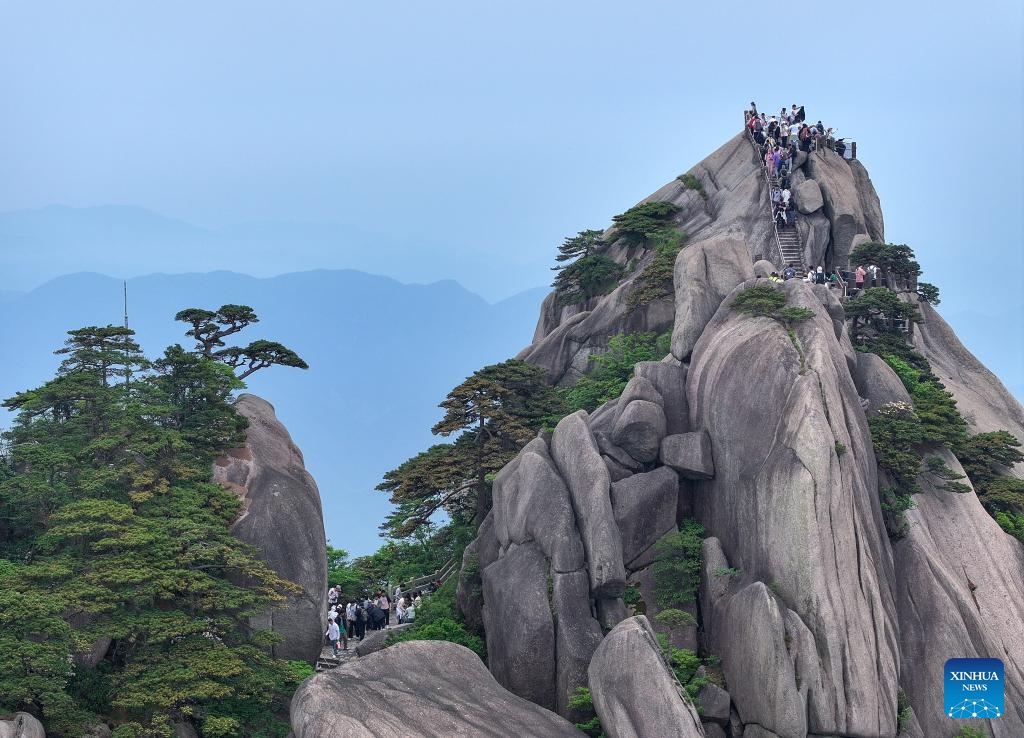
(768, 192)
(439, 576)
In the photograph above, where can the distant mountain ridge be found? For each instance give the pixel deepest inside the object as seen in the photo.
(382, 355)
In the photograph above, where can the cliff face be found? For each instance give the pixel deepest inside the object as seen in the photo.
(761, 435)
(282, 518)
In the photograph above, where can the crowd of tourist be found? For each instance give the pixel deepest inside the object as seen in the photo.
(354, 618)
(863, 277)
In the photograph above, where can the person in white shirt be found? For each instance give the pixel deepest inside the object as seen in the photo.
(400, 609)
(334, 635)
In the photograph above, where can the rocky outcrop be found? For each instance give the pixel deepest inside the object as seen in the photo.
(877, 383)
(645, 509)
(794, 513)
(845, 191)
(635, 694)
(959, 592)
(282, 518)
(980, 397)
(807, 197)
(21, 725)
(419, 689)
(705, 273)
(689, 454)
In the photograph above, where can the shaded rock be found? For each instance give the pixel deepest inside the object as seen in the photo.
(705, 272)
(814, 232)
(185, 730)
(577, 635)
(764, 268)
(645, 509)
(712, 730)
(960, 592)
(282, 518)
(878, 383)
(689, 454)
(21, 725)
(575, 453)
(669, 379)
(680, 637)
(756, 731)
(868, 201)
(603, 419)
(639, 430)
(616, 471)
(611, 611)
(479, 554)
(859, 239)
(714, 704)
(375, 640)
(635, 694)
(639, 388)
(789, 510)
(607, 448)
(420, 689)
(841, 201)
(807, 197)
(531, 503)
(518, 623)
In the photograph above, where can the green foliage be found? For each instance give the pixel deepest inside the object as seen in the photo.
(587, 277)
(211, 327)
(655, 282)
(436, 620)
(986, 457)
(928, 292)
(840, 448)
(107, 506)
(969, 732)
(767, 300)
(941, 422)
(895, 259)
(727, 571)
(1011, 523)
(674, 618)
(613, 369)
(692, 183)
(495, 412)
(895, 433)
(633, 599)
(582, 245)
(676, 565)
(950, 479)
(904, 712)
(582, 702)
(876, 311)
(639, 223)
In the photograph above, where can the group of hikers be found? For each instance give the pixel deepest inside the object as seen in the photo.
(353, 618)
(864, 276)
(780, 139)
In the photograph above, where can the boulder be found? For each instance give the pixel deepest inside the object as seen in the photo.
(814, 232)
(577, 636)
(375, 640)
(639, 388)
(807, 197)
(616, 471)
(878, 383)
(841, 200)
(645, 509)
(680, 637)
(575, 453)
(281, 517)
(794, 513)
(669, 378)
(868, 201)
(959, 592)
(689, 454)
(635, 694)
(764, 268)
(611, 611)
(518, 623)
(705, 272)
(185, 730)
(713, 730)
(618, 454)
(419, 689)
(531, 503)
(21, 725)
(756, 731)
(639, 430)
(714, 704)
(479, 554)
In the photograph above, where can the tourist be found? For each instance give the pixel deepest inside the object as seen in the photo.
(819, 275)
(785, 194)
(805, 138)
(350, 619)
(333, 635)
(400, 607)
(385, 605)
(332, 596)
(774, 277)
(769, 164)
(789, 272)
(858, 277)
(360, 620)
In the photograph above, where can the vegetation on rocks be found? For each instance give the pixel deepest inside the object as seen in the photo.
(641, 222)
(655, 281)
(895, 260)
(986, 458)
(690, 182)
(111, 529)
(437, 620)
(677, 566)
(582, 702)
(612, 370)
(590, 272)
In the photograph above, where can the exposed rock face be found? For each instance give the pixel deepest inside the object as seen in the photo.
(877, 382)
(790, 511)
(21, 725)
(282, 517)
(960, 592)
(689, 454)
(981, 398)
(807, 196)
(844, 193)
(635, 694)
(420, 689)
(645, 509)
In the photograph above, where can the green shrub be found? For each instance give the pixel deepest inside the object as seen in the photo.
(436, 620)
(969, 732)
(582, 702)
(760, 300)
(904, 712)
(895, 434)
(727, 571)
(677, 565)
(692, 183)
(641, 222)
(614, 368)
(655, 282)
(587, 277)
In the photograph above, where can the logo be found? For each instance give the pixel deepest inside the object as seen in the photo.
(974, 688)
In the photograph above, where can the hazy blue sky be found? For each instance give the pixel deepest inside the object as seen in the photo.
(486, 132)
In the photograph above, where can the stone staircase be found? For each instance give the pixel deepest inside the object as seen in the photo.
(792, 249)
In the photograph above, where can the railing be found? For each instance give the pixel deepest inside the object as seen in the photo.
(846, 149)
(439, 577)
(768, 193)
